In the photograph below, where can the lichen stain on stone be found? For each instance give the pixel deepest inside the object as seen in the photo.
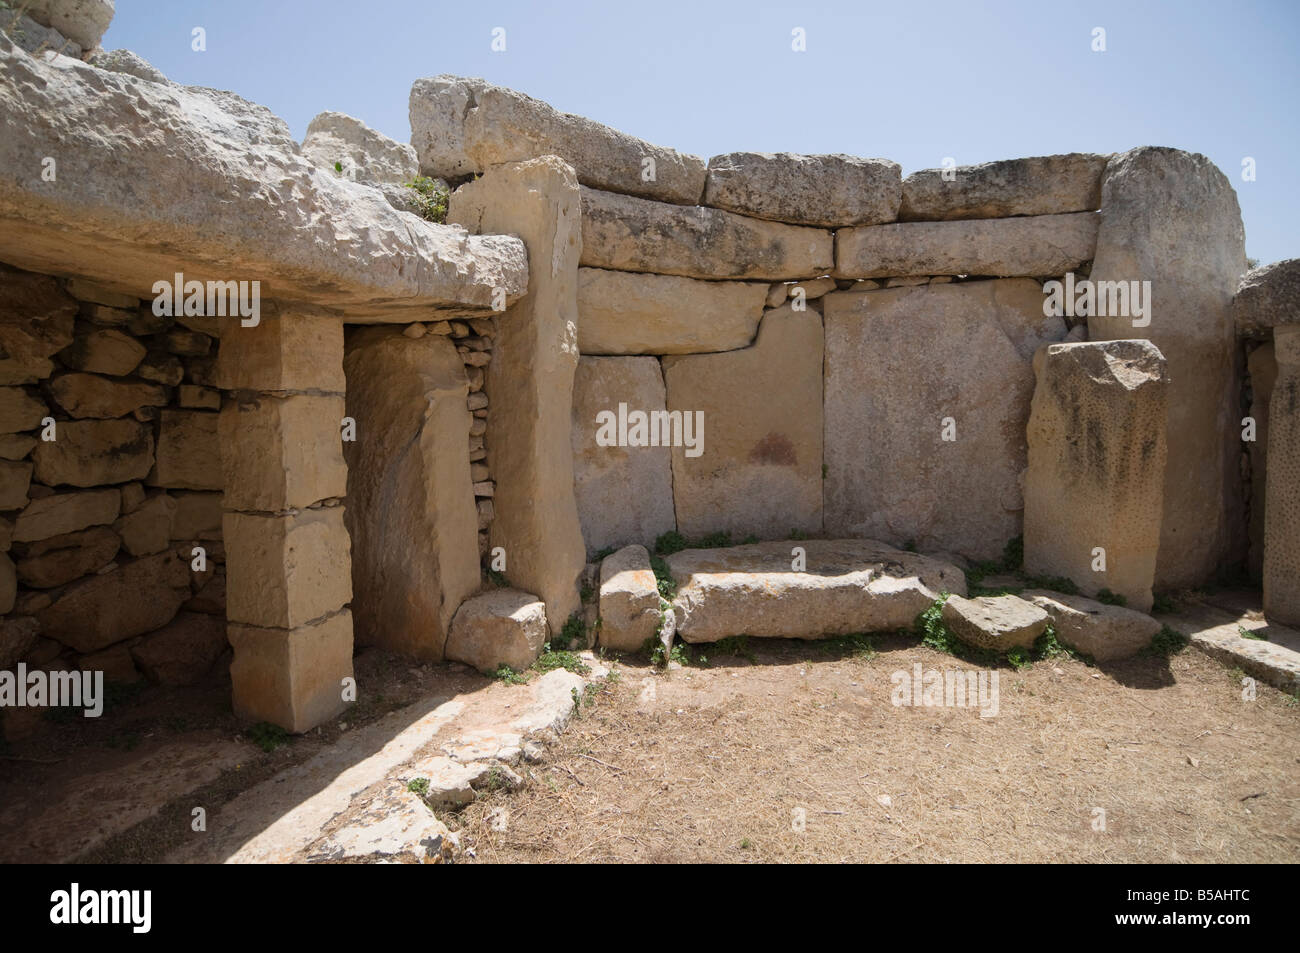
(776, 449)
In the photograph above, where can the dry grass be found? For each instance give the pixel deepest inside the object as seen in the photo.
(712, 767)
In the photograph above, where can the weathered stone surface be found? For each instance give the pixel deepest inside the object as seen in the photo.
(365, 155)
(105, 351)
(95, 452)
(760, 471)
(8, 584)
(830, 190)
(16, 446)
(17, 634)
(211, 598)
(1096, 467)
(133, 599)
(197, 516)
(287, 571)
(15, 478)
(124, 61)
(501, 627)
(19, 410)
(280, 453)
(36, 321)
(629, 600)
(995, 622)
(889, 473)
(115, 662)
(189, 451)
(535, 356)
(309, 234)
(624, 493)
(460, 126)
(1001, 247)
(81, 21)
(631, 234)
(848, 585)
(163, 368)
(1171, 218)
(623, 312)
(1041, 185)
(285, 352)
(393, 824)
(411, 512)
(1282, 518)
(1102, 631)
(1262, 366)
(1268, 296)
(147, 529)
(182, 651)
(89, 395)
(292, 678)
(61, 559)
(66, 513)
(35, 38)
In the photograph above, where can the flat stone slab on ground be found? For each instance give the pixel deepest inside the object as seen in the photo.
(846, 586)
(1102, 631)
(995, 622)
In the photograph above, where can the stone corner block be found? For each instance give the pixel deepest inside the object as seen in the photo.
(501, 627)
(629, 599)
(291, 677)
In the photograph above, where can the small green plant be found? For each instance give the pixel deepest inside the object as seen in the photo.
(745, 844)
(1166, 642)
(1255, 634)
(663, 578)
(736, 646)
(1162, 604)
(430, 198)
(798, 534)
(1111, 598)
(929, 625)
(751, 538)
(670, 542)
(338, 167)
(825, 471)
(1019, 658)
(573, 633)
(498, 579)
(1054, 583)
(909, 546)
(587, 593)
(551, 659)
(508, 676)
(602, 554)
(577, 701)
(267, 736)
(418, 786)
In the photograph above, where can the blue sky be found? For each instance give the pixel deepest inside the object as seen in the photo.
(910, 81)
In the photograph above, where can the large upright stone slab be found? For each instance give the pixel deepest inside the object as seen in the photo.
(631, 234)
(1261, 364)
(758, 467)
(624, 493)
(828, 190)
(622, 312)
(1097, 466)
(1036, 246)
(461, 126)
(904, 368)
(1171, 218)
(530, 378)
(1268, 296)
(1282, 517)
(410, 508)
(37, 318)
(1041, 185)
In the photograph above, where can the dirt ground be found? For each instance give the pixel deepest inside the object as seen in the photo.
(712, 762)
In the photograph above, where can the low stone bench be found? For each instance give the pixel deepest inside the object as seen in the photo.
(840, 587)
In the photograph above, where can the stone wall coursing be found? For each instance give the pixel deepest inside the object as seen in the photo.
(100, 522)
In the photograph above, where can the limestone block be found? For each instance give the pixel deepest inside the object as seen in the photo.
(182, 651)
(411, 512)
(135, 598)
(995, 622)
(189, 451)
(853, 585)
(1262, 366)
(1268, 296)
(501, 627)
(1105, 632)
(760, 469)
(284, 352)
(61, 559)
(95, 452)
(105, 351)
(1171, 218)
(623, 312)
(89, 395)
(115, 662)
(16, 636)
(1282, 517)
(366, 155)
(292, 678)
(8, 584)
(36, 321)
(629, 600)
(631, 234)
(280, 453)
(830, 190)
(1001, 247)
(15, 478)
(16, 446)
(461, 126)
(624, 493)
(1097, 452)
(286, 571)
(890, 472)
(535, 356)
(147, 528)
(197, 516)
(66, 513)
(1041, 185)
(81, 21)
